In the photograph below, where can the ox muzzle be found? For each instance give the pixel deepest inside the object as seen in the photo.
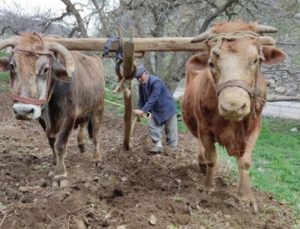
(234, 99)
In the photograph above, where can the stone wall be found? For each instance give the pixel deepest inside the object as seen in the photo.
(282, 80)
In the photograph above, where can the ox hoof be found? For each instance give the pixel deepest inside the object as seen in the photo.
(248, 202)
(203, 168)
(60, 183)
(55, 184)
(97, 163)
(51, 174)
(82, 148)
(209, 189)
(64, 183)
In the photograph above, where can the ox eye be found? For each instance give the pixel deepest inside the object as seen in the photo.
(43, 71)
(12, 67)
(255, 61)
(211, 64)
(46, 70)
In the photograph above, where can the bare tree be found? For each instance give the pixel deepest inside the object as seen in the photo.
(81, 25)
(159, 18)
(18, 20)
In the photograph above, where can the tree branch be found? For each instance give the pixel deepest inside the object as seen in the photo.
(70, 8)
(218, 12)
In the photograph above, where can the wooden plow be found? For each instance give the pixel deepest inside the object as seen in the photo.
(132, 48)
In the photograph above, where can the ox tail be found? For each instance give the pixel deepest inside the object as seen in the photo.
(90, 128)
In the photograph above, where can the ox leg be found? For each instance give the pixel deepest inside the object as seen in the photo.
(96, 124)
(60, 146)
(244, 164)
(208, 160)
(51, 138)
(82, 137)
(51, 141)
(202, 158)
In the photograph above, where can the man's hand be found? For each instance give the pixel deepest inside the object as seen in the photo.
(138, 112)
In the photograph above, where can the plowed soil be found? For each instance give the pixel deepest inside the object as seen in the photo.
(129, 189)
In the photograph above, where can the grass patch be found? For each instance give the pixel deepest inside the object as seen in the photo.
(4, 76)
(180, 124)
(4, 82)
(276, 161)
(114, 102)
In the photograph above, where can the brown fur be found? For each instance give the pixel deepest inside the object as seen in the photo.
(227, 27)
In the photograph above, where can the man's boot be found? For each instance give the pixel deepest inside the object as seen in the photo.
(157, 148)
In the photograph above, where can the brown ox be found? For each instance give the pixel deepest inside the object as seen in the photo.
(61, 98)
(225, 94)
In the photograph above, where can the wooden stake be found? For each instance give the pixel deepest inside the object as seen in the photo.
(128, 68)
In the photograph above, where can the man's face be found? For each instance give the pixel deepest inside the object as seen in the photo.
(143, 78)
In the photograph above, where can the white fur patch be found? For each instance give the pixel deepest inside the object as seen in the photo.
(26, 111)
(42, 88)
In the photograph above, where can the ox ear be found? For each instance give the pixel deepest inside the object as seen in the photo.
(4, 64)
(197, 62)
(59, 71)
(272, 55)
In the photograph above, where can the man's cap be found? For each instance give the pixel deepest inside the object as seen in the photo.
(139, 71)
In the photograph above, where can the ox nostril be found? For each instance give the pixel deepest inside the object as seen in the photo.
(29, 112)
(243, 106)
(224, 109)
(14, 110)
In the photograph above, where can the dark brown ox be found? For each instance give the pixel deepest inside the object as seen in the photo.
(225, 94)
(62, 93)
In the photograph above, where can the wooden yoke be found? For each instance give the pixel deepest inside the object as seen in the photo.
(150, 44)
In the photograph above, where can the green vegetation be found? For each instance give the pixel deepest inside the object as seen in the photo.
(114, 102)
(276, 160)
(2, 54)
(181, 126)
(4, 82)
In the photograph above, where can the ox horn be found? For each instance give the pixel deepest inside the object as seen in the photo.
(265, 29)
(201, 37)
(267, 40)
(70, 64)
(11, 42)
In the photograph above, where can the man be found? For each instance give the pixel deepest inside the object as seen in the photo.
(154, 97)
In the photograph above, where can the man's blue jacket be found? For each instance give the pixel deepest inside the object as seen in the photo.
(154, 97)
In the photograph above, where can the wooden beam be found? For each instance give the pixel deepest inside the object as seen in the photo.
(140, 44)
(136, 55)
